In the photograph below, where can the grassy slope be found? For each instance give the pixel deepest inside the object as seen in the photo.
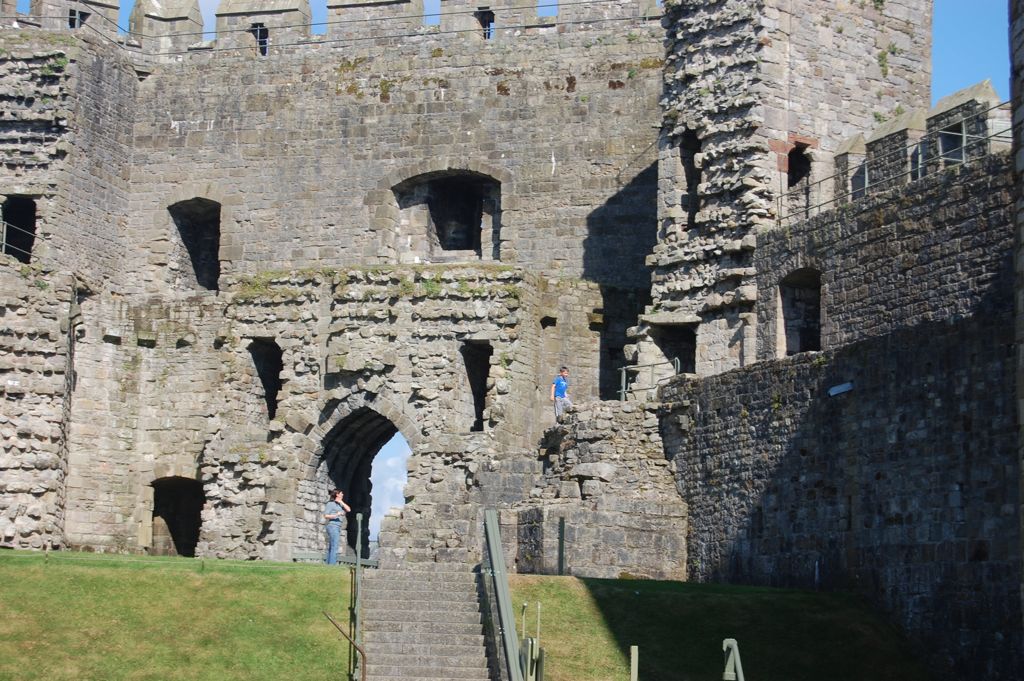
(784, 635)
(82, 616)
(98, 617)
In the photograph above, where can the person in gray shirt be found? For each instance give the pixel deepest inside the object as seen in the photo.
(336, 508)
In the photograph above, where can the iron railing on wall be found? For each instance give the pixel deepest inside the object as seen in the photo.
(6, 231)
(919, 157)
(626, 384)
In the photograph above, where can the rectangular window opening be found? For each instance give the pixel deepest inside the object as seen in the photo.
(952, 143)
(77, 18)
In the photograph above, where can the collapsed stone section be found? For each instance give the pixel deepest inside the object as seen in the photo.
(606, 481)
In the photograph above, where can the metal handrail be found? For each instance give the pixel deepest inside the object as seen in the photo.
(624, 388)
(359, 649)
(920, 172)
(496, 571)
(5, 229)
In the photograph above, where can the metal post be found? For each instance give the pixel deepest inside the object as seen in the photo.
(561, 546)
(634, 663)
(359, 584)
(622, 385)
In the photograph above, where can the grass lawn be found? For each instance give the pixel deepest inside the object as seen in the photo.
(588, 625)
(87, 616)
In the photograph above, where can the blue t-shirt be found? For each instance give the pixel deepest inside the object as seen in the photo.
(561, 386)
(332, 508)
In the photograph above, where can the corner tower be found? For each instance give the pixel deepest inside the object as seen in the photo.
(759, 96)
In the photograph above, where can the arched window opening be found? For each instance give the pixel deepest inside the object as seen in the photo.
(799, 166)
(349, 450)
(485, 17)
(800, 312)
(177, 516)
(678, 345)
(268, 360)
(262, 36)
(689, 150)
(477, 358)
(198, 223)
(450, 217)
(19, 229)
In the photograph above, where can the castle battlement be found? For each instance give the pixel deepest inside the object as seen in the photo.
(170, 31)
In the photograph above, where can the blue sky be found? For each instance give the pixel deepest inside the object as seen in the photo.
(970, 44)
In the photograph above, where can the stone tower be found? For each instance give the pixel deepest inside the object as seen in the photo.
(759, 96)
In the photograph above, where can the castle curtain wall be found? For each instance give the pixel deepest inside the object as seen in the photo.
(888, 465)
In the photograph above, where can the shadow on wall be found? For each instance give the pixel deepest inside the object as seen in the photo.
(888, 467)
(783, 634)
(620, 235)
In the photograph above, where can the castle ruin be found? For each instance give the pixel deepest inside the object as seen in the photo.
(234, 268)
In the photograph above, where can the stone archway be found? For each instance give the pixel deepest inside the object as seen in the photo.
(341, 450)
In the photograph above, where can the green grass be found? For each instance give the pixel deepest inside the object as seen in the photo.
(87, 616)
(588, 625)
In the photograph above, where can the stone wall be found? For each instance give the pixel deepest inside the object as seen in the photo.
(930, 253)
(36, 349)
(1017, 86)
(887, 463)
(308, 151)
(605, 474)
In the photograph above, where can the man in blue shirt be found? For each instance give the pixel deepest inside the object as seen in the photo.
(336, 508)
(560, 393)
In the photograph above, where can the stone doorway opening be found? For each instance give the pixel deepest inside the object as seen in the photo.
(350, 451)
(177, 516)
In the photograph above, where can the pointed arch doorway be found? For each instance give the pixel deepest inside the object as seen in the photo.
(365, 455)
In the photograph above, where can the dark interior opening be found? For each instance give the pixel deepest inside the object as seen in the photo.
(621, 308)
(458, 206)
(268, 360)
(477, 357)
(486, 18)
(262, 36)
(19, 212)
(547, 322)
(77, 18)
(198, 223)
(799, 165)
(177, 516)
(456, 209)
(800, 292)
(951, 143)
(689, 147)
(677, 342)
(859, 181)
(349, 450)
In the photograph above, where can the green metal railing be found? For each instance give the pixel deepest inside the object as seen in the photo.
(625, 383)
(501, 618)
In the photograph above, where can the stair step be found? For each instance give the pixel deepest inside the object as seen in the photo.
(430, 671)
(425, 658)
(426, 627)
(425, 637)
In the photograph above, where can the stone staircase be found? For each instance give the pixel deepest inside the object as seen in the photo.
(423, 622)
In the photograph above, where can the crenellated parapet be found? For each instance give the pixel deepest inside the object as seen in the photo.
(166, 26)
(371, 19)
(91, 17)
(261, 24)
(962, 127)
